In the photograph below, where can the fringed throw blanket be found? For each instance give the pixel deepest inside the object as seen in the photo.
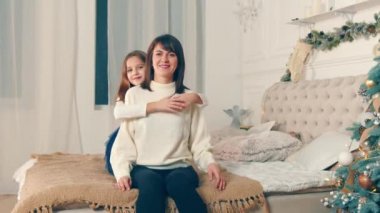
(58, 180)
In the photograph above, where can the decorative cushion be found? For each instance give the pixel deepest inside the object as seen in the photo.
(266, 146)
(220, 134)
(226, 132)
(323, 151)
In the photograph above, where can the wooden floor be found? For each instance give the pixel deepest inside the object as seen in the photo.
(7, 203)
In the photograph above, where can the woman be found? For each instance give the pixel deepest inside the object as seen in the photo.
(133, 73)
(154, 154)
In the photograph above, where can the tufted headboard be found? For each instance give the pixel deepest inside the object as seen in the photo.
(312, 107)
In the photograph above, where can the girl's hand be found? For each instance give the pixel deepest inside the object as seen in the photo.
(188, 98)
(124, 183)
(166, 105)
(215, 176)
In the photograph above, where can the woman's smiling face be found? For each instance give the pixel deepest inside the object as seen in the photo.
(164, 64)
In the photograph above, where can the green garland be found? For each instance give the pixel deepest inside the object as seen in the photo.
(349, 32)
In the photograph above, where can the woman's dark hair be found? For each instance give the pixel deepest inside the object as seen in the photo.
(171, 44)
(125, 84)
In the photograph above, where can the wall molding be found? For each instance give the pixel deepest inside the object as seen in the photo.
(321, 64)
(327, 63)
(269, 71)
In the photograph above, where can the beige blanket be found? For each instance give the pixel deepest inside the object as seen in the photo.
(58, 180)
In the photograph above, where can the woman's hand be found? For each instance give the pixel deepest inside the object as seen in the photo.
(215, 176)
(124, 183)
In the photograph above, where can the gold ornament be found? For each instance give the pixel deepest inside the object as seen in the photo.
(369, 83)
(365, 182)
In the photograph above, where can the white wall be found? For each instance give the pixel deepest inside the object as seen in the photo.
(222, 61)
(266, 49)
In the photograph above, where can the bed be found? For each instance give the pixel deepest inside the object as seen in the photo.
(320, 111)
(308, 108)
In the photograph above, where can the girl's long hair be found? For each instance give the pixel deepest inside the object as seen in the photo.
(171, 44)
(125, 84)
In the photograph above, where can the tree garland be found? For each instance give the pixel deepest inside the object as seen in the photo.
(324, 41)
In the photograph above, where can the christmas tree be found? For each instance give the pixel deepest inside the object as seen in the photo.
(358, 179)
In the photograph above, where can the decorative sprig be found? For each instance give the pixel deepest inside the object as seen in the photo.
(350, 31)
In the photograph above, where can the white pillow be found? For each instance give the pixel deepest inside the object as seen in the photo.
(323, 151)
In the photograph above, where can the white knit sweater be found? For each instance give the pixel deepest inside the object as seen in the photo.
(160, 139)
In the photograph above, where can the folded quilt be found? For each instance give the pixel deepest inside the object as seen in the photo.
(58, 180)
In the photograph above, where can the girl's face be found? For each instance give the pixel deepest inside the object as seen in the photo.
(164, 64)
(135, 70)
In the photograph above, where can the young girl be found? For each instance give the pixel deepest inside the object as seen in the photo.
(154, 154)
(133, 73)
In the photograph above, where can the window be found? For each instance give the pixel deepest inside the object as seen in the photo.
(101, 53)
